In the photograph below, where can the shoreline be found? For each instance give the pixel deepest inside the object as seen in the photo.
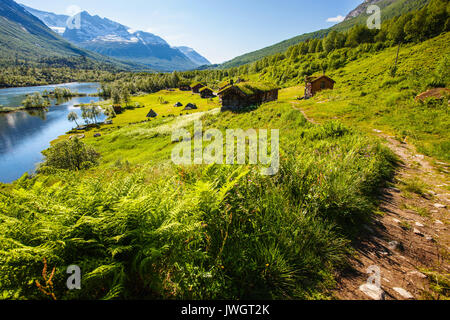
(2, 86)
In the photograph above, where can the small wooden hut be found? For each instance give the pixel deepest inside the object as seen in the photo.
(117, 108)
(196, 87)
(184, 87)
(206, 92)
(242, 95)
(314, 85)
(152, 114)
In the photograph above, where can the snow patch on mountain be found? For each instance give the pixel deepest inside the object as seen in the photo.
(113, 39)
(193, 55)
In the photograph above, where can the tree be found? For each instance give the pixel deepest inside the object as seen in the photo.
(35, 100)
(312, 46)
(329, 42)
(125, 96)
(86, 113)
(115, 95)
(96, 111)
(109, 112)
(71, 155)
(73, 117)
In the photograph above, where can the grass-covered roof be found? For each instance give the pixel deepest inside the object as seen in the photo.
(250, 88)
(193, 84)
(205, 88)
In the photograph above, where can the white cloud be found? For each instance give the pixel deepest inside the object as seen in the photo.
(339, 18)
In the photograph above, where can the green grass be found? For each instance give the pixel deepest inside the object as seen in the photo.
(368, 98)
(414, 185)
(134, 116)
(420, 211)
(140, 227)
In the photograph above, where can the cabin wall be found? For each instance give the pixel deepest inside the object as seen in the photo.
(207, 94)
(317, 86)
(196, 89)
(235, 102)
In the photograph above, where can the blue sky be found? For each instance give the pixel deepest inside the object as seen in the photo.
(219, 30)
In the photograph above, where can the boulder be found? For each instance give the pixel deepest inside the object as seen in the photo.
(417, 274)
(437, 93)
(178, 104)
(373, 291)
(97, 135)
(405, 294)
(393, 245)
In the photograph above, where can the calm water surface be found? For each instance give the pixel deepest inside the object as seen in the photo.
(23, 135)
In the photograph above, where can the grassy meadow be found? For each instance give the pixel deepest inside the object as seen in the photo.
(141, 227)
(367, 97)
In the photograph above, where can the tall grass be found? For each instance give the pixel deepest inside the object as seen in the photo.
(201, 232)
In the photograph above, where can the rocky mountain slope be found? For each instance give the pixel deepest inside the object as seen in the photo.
(113, 39)
(362, 8)
(23, 36)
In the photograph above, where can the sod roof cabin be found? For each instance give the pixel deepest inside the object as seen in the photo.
(196, 87)
(152, 114)
(117, 108)
(190, 106)
(224, 84)
(206, 92)
(239, 96)
(314, 85)
(184, 87)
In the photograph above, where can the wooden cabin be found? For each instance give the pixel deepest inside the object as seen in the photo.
(184, 88)
(206, 92)
(225, 84)
(314, 85)
(117, 108)
(239, 96)
(152, 114)
(196, 87)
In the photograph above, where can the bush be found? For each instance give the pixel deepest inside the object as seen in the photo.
(35, 101)
(71, 155)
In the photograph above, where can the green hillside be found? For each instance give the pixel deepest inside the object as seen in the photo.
(141, 227)
(389, 9)
(25, 38)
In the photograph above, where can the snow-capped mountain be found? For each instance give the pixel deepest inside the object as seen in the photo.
(116, 40)
(194, 56)
(56, 22)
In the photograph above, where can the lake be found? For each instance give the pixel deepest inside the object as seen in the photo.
(24, 134)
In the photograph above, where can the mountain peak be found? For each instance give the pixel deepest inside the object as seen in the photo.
(194, 55)
(362, 8)
(113, 39)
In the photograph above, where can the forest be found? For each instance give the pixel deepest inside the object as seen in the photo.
(311, 56)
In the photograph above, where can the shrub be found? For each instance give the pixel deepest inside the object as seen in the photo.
(35, 101)
(71, 155)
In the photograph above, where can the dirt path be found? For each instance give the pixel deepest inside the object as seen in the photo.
(409, 241)
(295, 105)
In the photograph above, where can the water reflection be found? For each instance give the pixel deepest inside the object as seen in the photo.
(24, 134)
